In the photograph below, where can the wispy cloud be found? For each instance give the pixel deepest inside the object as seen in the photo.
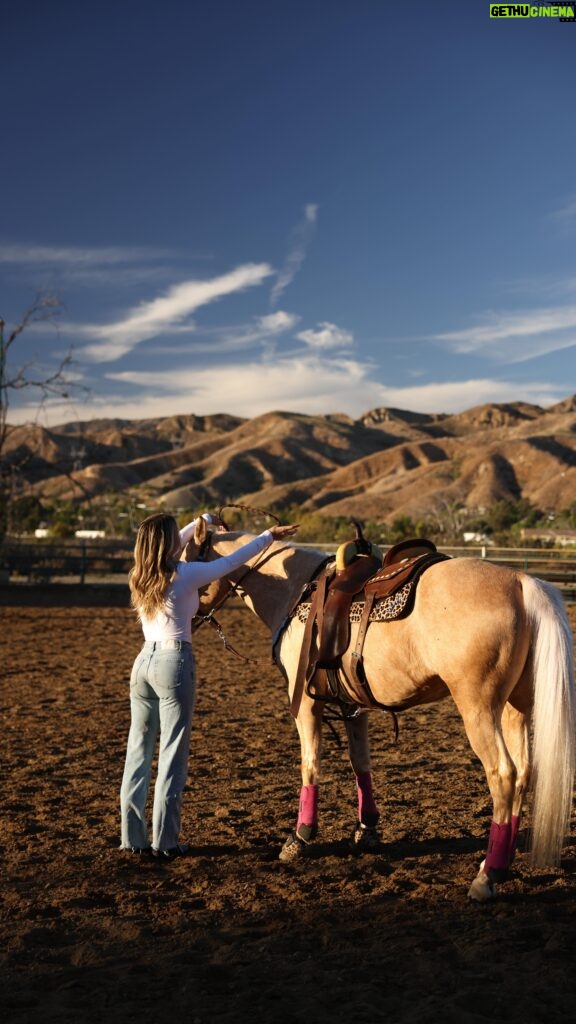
(457, 396)
(539, 331)
(512, 325)
(565, 216)
(547, 285)
(298, 243)
(167, 314)
(50, 255)
(263, 331)
(92, 266)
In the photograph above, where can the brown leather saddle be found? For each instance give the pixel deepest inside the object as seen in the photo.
(365, 581)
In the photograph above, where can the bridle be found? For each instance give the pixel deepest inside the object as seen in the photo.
(233, 586)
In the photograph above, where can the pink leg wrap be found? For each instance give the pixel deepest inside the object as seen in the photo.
(499, 843)
(514, 826)
(368, 812)
(308, 808)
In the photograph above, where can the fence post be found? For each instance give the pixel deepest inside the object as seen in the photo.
(82, 561)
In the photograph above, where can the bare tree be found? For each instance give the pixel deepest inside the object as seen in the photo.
(448, 517)
(45, 307)
(28, 376)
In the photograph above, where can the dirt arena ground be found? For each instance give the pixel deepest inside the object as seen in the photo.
(231, 934)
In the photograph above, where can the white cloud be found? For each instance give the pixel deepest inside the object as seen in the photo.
(516, 337)
(278, 323)
(509, 325)
(327, 336)
(457, 396)
(167, 314)
(296, 378)
(318, 384)
(50, 255)
(112, 267)
(263, 331)
(546, 284)
(310, 384)
(298, 243)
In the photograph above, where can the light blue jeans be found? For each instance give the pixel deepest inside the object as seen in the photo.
(162, 693)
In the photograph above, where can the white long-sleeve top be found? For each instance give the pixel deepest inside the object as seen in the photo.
(173, 621)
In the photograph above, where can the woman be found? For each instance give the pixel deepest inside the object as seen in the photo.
(164, 593)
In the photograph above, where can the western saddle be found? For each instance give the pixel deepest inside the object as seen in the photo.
(361, 587)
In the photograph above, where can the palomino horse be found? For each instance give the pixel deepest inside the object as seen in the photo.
(494, 639)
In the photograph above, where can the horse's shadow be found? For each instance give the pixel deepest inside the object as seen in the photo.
(398, 850)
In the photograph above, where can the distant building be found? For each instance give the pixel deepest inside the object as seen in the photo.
(559, 537)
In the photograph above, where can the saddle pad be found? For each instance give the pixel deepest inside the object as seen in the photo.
(384, 610)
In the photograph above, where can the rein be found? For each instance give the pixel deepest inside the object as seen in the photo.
(233, 586)
(211, 621)
(245, 508)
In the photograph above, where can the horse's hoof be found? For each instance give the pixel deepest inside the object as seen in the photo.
(482, 889)
(294, 849)
(365, 838)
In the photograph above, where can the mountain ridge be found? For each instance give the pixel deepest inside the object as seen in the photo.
(386, 463)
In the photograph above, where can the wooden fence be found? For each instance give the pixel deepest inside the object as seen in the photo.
(84, 561)
(76, 561)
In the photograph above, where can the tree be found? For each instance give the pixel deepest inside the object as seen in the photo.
(448, 519)
(27, 376)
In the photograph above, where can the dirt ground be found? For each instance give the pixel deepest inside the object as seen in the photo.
(230, 934)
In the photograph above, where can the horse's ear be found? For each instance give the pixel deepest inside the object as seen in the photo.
(200, 531)
(194, 545)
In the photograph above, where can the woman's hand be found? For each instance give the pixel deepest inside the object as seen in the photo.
(281, 532)
(213, 520)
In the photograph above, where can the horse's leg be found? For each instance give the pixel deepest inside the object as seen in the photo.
(309, 725)
(515, 728)
(482, 724)
(365, 835)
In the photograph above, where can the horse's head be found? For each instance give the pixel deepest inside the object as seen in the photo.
(198, 549)
(212, 596)
(269, 583)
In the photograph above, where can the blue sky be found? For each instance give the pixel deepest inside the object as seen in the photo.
(317, 206)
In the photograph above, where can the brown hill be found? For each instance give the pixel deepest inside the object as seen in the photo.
(389, 462)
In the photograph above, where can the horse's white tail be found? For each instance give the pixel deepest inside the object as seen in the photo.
(554, 736)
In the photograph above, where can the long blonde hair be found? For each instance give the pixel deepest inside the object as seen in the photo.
(155, 559)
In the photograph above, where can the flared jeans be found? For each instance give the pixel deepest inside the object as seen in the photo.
(162, 693)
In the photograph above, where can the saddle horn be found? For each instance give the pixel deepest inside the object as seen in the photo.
(351, 550)
(363, 546)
